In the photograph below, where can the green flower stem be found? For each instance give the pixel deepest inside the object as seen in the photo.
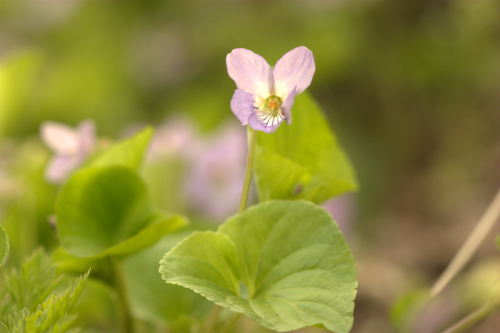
(121, 290)
(473, 318)
(249, 169)
(470, 246)
(212, 319)
(214, 315)
(233, 321)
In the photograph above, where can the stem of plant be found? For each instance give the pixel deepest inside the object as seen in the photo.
(214, 315)
(470, 246)
(233, 321)
(248, 171)
(121, 290)
(473, 318)
(212, 319)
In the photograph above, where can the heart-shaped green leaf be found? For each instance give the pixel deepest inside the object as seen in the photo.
(291, 256)
(128, 153)
(303, 160)
(4, 245)
(106, 211)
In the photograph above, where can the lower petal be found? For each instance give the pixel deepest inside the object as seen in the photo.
(60, 167)
(265, 122)
(242, 105)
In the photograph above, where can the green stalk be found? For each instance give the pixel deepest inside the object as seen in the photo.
(249, 169)
(121, 290)
(212, 320)
(473, 318)
(470, 246)
(233, 321)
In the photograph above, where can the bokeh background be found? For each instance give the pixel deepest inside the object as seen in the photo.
(411, 89)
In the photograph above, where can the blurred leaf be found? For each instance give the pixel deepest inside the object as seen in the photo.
(480, 284)
(4, 245)
(405, 309)
(153, 299)
(18, 75)
(29, 286)
(303, 160)
(69, 264)
(128, 153)
(53, 315)
(291, 256)
(498, 242)
(165, 179)
(106, 211)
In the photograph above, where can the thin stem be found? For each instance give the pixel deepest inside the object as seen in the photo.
(214, 315)
(248, 172)
(470, 246)
(121, 290)
(233, 321)
(473, 318)
(212, 319)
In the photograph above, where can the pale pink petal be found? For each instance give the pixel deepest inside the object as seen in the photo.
(250, 72)
(287, 106)
(216, 173)
(342, 210)
(174, 137)
(294, 70)
(242, 105)
(256, 122)
(60, 138)
(60, 167)
(86, 137)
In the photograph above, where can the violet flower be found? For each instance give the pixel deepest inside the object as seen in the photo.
(217, 172)
(172, 138)
(265, 96)
(70, 146)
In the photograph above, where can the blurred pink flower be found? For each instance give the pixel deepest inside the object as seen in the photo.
(342, 210)
(70, 146)
(174, 137)
(217, 171)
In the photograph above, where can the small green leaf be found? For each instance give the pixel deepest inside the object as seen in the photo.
(303, 160)
(129, 152)
(106, 211)
(290, 255)
(53, 315)
(28, 287)
(4, 245)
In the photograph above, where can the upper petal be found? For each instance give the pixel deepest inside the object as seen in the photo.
(60, 138)
(287, 106)
(294, 70)
(87, 136)
(250, 72)
(242, 105)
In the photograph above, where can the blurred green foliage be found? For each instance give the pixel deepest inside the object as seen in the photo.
(303, 161)
(26, 304)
